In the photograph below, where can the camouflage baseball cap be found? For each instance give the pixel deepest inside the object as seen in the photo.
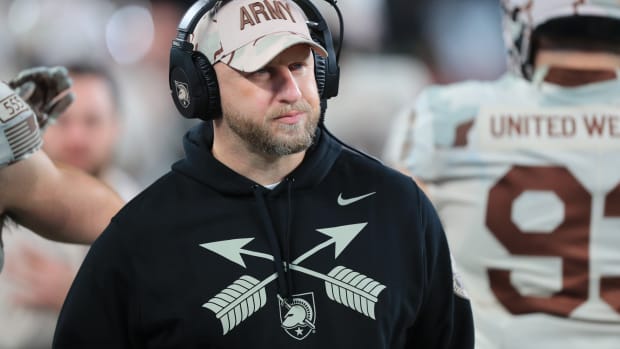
(247, 34)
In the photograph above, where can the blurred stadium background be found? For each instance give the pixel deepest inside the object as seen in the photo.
(392, 48)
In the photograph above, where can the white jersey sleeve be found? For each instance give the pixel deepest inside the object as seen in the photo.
(526, 180)
(19, 132)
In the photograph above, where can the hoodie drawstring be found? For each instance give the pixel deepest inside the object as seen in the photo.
(272, 238)
(287, 236)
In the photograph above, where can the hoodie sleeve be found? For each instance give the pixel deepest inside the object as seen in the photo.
(445, 319)
(95, 312)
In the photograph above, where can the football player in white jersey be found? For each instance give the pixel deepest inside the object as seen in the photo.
(58, 202)
(525, 174)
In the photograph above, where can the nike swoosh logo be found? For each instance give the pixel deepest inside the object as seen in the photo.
(344, 202)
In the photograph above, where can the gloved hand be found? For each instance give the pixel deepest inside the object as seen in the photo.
(46, 90)
(18, 126)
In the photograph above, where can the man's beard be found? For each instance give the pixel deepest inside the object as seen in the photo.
(261, 138)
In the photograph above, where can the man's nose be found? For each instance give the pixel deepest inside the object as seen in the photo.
(287, 86)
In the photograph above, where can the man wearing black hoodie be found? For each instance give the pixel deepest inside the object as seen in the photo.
(270, 233)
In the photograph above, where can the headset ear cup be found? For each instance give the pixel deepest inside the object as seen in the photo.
(183, 81)
(320, 69)
(212, 105)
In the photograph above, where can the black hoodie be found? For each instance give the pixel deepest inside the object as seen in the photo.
(344, 253)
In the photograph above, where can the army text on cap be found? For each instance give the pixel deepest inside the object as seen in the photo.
(268, 10)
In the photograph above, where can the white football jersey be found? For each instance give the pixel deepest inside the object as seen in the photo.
(526, 180)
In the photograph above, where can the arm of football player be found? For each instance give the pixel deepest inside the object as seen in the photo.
(57, 202)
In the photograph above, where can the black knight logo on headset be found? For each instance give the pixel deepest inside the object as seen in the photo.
(182, 93)
(192, 80)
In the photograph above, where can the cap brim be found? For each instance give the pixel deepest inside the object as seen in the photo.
(257, 54)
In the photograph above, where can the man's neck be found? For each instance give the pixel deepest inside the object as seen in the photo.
(575, 68)
(580, 60)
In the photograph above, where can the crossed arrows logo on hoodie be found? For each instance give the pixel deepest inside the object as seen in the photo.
(247, 295)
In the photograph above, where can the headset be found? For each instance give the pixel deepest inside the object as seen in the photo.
(192, 79)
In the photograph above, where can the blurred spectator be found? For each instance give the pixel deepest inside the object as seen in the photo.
(86, 135)
(39, 272)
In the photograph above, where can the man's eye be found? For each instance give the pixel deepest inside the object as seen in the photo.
(296, 66)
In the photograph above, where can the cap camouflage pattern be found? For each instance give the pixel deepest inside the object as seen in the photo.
(247, 34)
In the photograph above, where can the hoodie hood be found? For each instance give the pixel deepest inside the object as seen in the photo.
(200, 164)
